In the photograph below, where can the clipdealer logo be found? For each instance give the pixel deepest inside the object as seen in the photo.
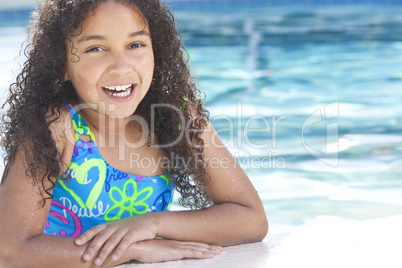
(326, 119)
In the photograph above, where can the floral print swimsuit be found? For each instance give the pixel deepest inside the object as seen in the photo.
(97, 193)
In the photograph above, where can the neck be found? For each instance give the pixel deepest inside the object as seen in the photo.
(102, 121)
(112, 128)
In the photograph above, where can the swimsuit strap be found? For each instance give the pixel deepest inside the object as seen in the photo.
(80, 126)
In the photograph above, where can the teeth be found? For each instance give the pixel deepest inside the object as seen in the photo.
(118, 88)
(122, 94)
(118, 91)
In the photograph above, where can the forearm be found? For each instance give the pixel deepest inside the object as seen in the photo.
(54, 251)
(224, 224)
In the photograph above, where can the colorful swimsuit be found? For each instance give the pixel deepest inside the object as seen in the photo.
(98, 193)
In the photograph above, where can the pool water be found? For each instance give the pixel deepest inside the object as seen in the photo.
(323, 86)
(307, 98)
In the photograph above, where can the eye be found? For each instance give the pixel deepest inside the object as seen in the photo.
(94, 49)
(137, 45)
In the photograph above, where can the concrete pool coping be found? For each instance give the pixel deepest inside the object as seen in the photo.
(371, 243)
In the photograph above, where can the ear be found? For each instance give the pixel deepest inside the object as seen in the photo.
(66, 76)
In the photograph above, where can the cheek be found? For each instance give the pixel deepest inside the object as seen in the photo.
(151, 70)
(85, 66)
(90, 67)
(83, 74)
(147, 65)
(150, 73)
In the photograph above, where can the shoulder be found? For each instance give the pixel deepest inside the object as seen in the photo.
(61, 127)
(198, 114)
(196, 109)
(199, 118)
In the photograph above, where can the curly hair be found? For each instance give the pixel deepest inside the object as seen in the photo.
(37, 96)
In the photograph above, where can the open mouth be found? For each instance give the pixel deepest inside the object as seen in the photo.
(118, 91)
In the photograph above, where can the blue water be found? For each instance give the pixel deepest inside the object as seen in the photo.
(306, 98)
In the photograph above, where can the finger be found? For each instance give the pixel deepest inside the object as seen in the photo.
(96, 244)
(195, 250)
(200, 244)
(90, 234)
(113, 241)
(212, 248)
(197, 253)
(125, 242)
(207, 250)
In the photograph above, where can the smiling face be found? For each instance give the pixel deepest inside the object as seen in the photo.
(112, 61)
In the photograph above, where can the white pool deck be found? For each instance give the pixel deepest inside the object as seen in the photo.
(372, 243)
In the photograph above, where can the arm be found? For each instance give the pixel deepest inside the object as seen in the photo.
(240, 218)
(22, 242)
(22, 221)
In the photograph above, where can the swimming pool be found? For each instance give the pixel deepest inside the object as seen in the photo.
(306, 97)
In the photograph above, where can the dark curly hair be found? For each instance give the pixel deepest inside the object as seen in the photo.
(37, 96)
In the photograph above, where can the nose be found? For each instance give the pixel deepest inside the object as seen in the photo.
(120, 64)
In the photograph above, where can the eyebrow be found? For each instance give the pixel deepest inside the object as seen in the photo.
(100, 37)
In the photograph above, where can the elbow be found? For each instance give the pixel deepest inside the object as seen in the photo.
(10, 253)
(260, 223)
(260, 228)
(6, 258)
(5, 261)
(257, 226)
(263, 229)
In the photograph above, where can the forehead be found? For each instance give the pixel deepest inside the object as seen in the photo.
(113, 15)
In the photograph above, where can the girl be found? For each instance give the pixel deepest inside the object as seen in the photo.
(105, 94)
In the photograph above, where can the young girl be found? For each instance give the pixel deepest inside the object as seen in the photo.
(103, 122)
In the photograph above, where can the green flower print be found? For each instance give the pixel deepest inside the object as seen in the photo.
(128, 203)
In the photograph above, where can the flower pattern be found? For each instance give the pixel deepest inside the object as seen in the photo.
(96, 192)
(129, 200)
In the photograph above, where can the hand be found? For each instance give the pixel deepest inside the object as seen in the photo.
(160, 250)
(117, 235)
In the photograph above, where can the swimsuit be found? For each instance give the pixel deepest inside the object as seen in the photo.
(97, 193)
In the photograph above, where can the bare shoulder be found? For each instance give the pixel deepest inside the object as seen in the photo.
(199, 116)
(62, 130)
(193, 108)
(22, 194)
(228, 181)
(21, 187)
